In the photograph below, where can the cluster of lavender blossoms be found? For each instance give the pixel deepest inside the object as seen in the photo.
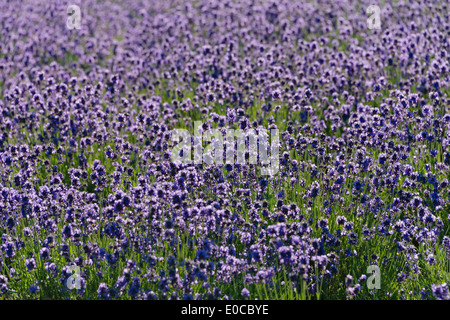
(88, 118)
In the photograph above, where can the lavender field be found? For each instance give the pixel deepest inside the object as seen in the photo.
(101, 198)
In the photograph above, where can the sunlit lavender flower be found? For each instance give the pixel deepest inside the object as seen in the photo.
(245, 293)
(440, 292)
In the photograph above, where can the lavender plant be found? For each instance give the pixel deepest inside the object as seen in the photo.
(92, 205)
